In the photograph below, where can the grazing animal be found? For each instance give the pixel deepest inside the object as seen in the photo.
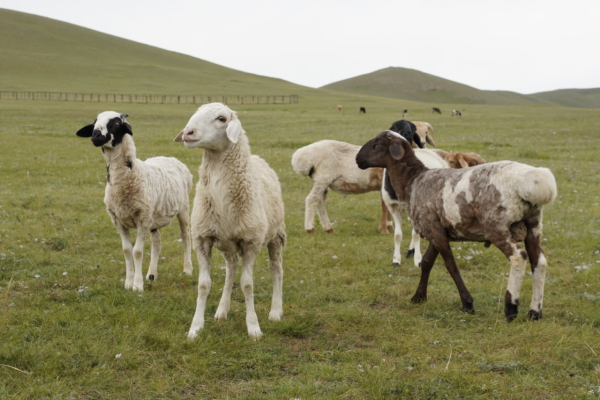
(424, 130)
(141, 195)
(404, 114)
(497, 202)
(339, 107)
(331, 165)
(436, 110)
(460, 160)
(238, 209)
(456, 112)
(409, 131)
(363, 110)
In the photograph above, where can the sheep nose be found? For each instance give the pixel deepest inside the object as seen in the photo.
(96, 133)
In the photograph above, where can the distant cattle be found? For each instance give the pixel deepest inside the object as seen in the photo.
(456, 112)
(363, 110)
(339, 108)
(437, 110)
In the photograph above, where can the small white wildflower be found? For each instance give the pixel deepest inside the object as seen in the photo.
(577, 267)
(597, 252)
(125, 326)
(334, 257)
(463, 320)
(118, 355)
(390, 275)
(409, 369)
(11, 305)
(574, 191)
(436, 341)
(65, 273)
(37, 276)
(468, 257)
(302, 281)
(35, 240)
(585, 267)
(343, 244)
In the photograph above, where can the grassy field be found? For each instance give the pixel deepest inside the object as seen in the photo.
(68, 329)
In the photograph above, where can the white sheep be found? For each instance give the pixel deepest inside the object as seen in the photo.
(331, 165)
(141, 195)
(498, 202)
(238, 208)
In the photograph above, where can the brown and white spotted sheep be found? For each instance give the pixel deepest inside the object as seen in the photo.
(500, 203)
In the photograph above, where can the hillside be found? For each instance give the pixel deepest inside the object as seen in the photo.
(42, 54)
(410, 84)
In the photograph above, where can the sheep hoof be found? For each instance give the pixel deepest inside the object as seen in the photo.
(150, 277)
(396, 263)
(311, 232)
(384, 231)
(410, 253)
(419, 266)
(468, 309)
(330, 230)
(418, 300)
(533, 315)
(487, 243)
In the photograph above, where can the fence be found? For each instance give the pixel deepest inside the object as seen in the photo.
(148, 98)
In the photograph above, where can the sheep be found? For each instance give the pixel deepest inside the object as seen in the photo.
(330, 165)
(498, 202)
(460, 160)
(456, 112)
(409, 131)
(436, 110)
(404, 113)
(141, 195)
(423, 129)
(362, 110)
(339, 108)
(238, 208)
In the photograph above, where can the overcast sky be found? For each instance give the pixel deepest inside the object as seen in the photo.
(519, 45)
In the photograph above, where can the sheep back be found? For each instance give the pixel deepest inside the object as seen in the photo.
(467, 202)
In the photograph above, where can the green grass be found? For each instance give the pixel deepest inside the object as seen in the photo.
(349, 329)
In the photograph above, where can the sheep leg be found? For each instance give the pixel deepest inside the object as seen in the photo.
(465, 297)
(385, 223)
(249, 253)
(323, 213)
(127, 251)
(154, 255)
(275, 264)
(184, 227)
(415, 248)
(538, 267)
(138, 255)
(516, 256)
(426, 266)
(317, 195)
(203, 249)
(231, 262)
(395, 212)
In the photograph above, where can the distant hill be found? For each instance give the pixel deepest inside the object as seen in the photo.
(42, 54)
(410, 84)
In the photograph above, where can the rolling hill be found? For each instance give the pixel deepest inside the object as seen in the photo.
(42, 54)
(410, 84)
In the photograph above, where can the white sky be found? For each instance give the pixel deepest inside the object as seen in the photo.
(524, 46)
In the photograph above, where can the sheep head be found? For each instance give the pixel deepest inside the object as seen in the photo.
(382, 151)
(108, 129)
(408, 130)
(213, 127)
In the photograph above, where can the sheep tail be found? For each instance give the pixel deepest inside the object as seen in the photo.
(302, 163)
(537, 186)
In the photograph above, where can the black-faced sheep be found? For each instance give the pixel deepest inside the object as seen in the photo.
(141, 195)
(498, 202)
(238, 209)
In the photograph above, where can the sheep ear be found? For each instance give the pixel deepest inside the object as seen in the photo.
(86, 131)
(396, 150)
(179, 138)
(234, 129)
(462, 161)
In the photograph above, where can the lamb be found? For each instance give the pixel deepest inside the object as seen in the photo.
(423, 129)
(456, 112)
(238, 208)
(436, 110)
(460, 160)
(330, 165)
(339, 108)
(409, 131)
(362, 110)
(498, 202)
(141, 195)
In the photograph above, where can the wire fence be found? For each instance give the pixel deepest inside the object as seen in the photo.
(148, 98)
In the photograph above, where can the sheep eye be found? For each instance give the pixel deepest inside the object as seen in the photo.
(222, 119)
